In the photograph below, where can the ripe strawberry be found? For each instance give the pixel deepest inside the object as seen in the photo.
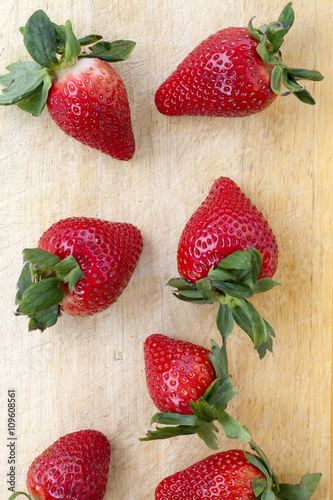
(225, 475)
(235, 72)
(75, 467)
(225, 222)
(190, 385)
(81, 266)
(176, 372)
(84, 94)
(227, 253)
(233, 475)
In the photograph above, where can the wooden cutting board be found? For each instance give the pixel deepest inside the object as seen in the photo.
(88, 373)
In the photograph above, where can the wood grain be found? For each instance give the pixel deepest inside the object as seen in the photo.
(89, 372)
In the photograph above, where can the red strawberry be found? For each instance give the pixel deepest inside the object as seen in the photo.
(176, 372)
(225, 222)
(235, 72)
(75, 467)
(81, 263)
(226, 254)
(233, 475)
(84, 94)
(226, 475)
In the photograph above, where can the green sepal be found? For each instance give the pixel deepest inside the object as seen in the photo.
(17, 493)
(266, 466)
(40, 296)
(40, 40)
(69, 272)
(305, 96)
(44, 319)
(305, 74)
(169, 432)
(232, 428)
(72, 46)
(87, 40)
(287, 16)
(39, 292)
(170, 418)
(22, 87)
(40, 259)
(207, 432)
(203, 410)
(36, 104)
(224, 321)
(181, 284)
(267, 494)
(220, 393)
(219, 359)
(258, 486)
(119, 50)
(264, 285)
(302, 491)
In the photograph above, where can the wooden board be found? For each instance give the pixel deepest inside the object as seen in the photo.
(88, 373)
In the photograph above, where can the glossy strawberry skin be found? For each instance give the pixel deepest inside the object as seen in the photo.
(176, 372)
(226, 221)
(89, 102)
(107, 253)
(222, 76)
(226, 475)
(75, 467)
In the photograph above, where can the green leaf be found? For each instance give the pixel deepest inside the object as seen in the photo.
(60, 32)
(12, 497)
(265, 346)
(253, 31)
(258, 485)
(241, 316)
(87, 40)
(232, 428)
(276, 76)
(254, 460)
(207, 432)
(220, 392)
(267, 494)
(69, 271)
(169, 418)
(287, 16)
(119, 50)
(44, 319)
(265, 461)
(256, 263)
(19, 69)
(305, 96)
(264, 285)
(233, 289)
(224, 321)
(36, 104)
(22, 87)
(41, 259)
(40, 296)
(204, 287)
(40, 40)
(305, 74)
(302, 491)
(72, 47)
(169, 432)
(219, 359)
(267, 56)
(203, 411)
(289, 83)
(258, 325)
(276, 34)
(24, 282)
(237, 260)
(221, 275)
(181, 284)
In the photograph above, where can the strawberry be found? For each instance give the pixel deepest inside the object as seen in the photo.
(235, 72)
(84, 94)
(75, 467)
(81, 266)
(176, 372)
(191, 387)
(233, 475)
(227, 253)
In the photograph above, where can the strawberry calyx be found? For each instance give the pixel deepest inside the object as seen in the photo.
(231, 283)
(53, 48)
(208, 409)
(271, 37)
(268, 488)
(17, 493)
(39, 292)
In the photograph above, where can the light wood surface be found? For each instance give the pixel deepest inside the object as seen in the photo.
(89, 373)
